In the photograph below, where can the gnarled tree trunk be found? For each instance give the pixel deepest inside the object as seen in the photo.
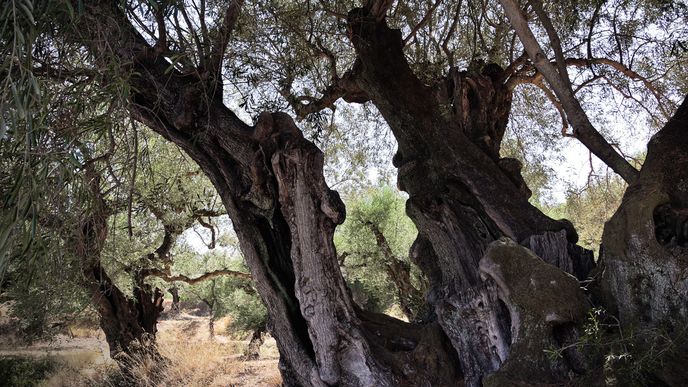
(644, 256)
(271, 182)
(463, 199)
(130, 325)
(462, 194)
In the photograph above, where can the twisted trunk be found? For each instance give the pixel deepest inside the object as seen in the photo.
(644, 255)
(129, 325)
(462, 195)
(463, 199)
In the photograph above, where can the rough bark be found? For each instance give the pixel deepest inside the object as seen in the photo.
(399, 273)
(253, 349)
(557, 251)
(644, 254)
(129, 324)
(271, 182)
(462, 195)
(541, 299)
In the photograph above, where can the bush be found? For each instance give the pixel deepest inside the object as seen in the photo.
(19, 372)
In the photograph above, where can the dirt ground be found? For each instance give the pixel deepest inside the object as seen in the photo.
(197, 360)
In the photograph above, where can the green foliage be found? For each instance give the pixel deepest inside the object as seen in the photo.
(625, 357)
(537, 174)
(24, 372)
(246, 309)
(365, 267)
(590, 208)
(54, 296)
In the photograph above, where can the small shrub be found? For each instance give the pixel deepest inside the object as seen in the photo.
(20, 372)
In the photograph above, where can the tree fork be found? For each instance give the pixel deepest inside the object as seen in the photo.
(462, 195)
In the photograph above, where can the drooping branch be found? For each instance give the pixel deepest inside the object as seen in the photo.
(626, 71)
(422, 23)
(514, 78)
(557, 105)
(210, 227)
(558, 80)
(450, 33)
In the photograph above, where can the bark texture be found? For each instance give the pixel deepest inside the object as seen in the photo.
(541, 299)
(644, 255)
(462, 195)
(492, 301)
(129, 324)
(271, 182)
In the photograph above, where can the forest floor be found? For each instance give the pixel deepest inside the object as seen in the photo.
(80, 357)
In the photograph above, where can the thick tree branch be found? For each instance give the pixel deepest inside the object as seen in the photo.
(583, 128)
(450, 33)
(554, 40)
(210, 227)
(378, 8)
(219, 46)
(165, 275)
(344, 87)
(159, 11)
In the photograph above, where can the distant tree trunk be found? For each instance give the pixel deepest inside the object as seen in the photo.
(129, 325)
(253, 350)
(411, 300)
(174, 291)
(211, 326)
(211, 317)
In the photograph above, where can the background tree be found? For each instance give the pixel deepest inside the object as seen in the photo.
(373, 247)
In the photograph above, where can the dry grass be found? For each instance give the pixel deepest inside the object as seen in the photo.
(192, 364)
(84, 331)
(192, 360)
(79, 357)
